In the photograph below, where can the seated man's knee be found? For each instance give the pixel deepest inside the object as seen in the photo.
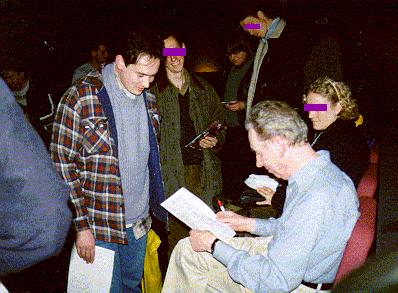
(182, 245)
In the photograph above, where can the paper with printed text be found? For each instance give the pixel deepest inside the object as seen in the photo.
(191, 210)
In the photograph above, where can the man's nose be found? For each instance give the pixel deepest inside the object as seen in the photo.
(311, 114)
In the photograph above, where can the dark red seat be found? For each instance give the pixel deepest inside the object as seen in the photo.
(368, 184)
(361, 239)
(362, 236)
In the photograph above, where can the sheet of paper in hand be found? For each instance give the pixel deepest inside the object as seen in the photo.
(94, 277)
(191, 210)
(213, 130)
(256, 181)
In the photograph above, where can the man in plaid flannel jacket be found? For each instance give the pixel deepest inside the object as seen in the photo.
(105, 147)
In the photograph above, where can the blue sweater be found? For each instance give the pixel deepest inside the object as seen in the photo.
(34, 216)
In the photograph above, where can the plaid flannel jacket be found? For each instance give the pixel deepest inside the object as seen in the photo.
(84, 149)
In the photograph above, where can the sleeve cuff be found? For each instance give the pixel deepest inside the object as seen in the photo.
(81, 224)
(223, 252)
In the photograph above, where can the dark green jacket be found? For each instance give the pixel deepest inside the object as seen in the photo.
(205, 107)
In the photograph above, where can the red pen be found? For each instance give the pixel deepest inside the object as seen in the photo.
(220, 205)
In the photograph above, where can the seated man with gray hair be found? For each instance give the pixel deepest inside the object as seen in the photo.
(300, 251)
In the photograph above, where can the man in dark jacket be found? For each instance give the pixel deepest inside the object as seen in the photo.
(34, 216)
(278, 65)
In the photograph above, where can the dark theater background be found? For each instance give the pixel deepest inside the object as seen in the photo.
(52, 35)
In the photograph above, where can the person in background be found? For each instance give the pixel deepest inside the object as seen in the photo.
(337, 130)
(34, 213)
(236, 151)
(35, 102)
(278, 65)
(98, 59)
(302, 249)
(188, 105)
(240, 55)
(105, 146)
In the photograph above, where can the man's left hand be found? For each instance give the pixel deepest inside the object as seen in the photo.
(208, 142)
(201, 240)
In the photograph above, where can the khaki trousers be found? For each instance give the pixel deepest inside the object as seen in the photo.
(198, 272)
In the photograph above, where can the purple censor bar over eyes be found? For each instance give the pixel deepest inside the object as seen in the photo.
(174, 52)
(315, 107)
(252, 26)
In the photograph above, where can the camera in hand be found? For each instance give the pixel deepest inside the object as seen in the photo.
(213, 130)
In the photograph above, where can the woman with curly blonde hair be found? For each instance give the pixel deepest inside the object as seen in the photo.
(339, 96)
(336, 128)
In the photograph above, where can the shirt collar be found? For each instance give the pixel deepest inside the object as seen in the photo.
(271, 29)
(303, 177)
(186, 83)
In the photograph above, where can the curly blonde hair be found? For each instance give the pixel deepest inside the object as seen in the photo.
(335, 92)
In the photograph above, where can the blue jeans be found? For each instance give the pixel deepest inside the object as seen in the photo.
(128, 266)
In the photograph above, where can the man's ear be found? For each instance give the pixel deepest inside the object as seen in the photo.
(93, 53)
(261, 15)
(119, 62)
(182, 45)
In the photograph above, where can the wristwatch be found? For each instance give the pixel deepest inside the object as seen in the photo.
(213, 245)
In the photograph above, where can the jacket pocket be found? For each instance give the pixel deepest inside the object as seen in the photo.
(96, 135)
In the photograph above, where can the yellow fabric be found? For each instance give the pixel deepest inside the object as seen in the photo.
(359, 121)
(152, 279)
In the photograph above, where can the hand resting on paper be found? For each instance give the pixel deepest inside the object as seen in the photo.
(201, 240)
(267, 193)
(85, 245)
(237, 222)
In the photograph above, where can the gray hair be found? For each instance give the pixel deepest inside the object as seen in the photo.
(275, 118)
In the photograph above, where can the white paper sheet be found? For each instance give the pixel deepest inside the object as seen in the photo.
(257, 181)
(196, 214)
(91, 278)
(3, 289)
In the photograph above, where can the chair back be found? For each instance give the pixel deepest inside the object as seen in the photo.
(368, 184)
(361, 238)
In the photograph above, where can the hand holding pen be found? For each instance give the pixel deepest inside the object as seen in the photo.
(237, 222)
(220, 205)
